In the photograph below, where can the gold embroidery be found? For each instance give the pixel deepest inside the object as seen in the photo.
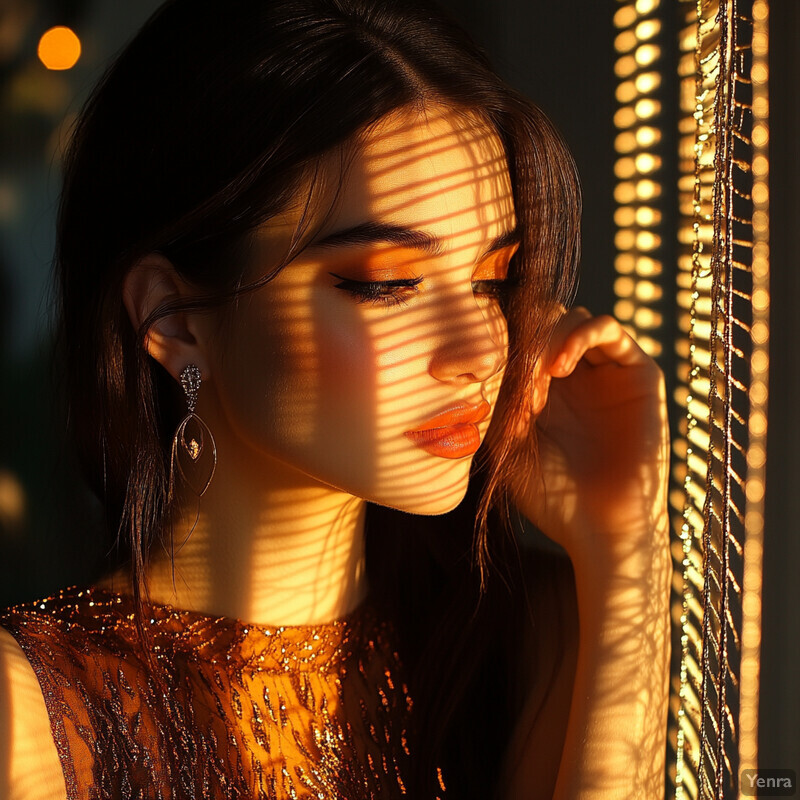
(312, 711)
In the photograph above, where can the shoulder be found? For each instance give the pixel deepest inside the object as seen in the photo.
(30, 768)
(45, 660)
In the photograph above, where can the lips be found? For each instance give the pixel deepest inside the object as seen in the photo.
(453, 433)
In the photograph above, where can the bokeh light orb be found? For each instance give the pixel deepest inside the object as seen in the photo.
(59, 48)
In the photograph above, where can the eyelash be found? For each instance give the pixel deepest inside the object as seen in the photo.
(398, 292)
(386, 293)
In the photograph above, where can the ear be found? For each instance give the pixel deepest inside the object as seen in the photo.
(149, 285)
(536, 398)
(542, 376)
(541, 387)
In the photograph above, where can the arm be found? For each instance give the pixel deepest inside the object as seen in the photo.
(601, 493)
(615, 740)
(29, 765)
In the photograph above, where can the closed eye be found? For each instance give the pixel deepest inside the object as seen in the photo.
(387, 293)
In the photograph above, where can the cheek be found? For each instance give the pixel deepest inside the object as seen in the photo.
(330, 387)
(404, 389)
(498, 327)
(347, 377)
(298, 381)
(266, 365)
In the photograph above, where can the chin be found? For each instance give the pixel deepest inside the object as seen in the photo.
(434, 502)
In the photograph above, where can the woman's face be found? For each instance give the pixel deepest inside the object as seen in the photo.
(373, 361)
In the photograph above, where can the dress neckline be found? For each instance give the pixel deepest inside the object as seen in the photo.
(109, 616)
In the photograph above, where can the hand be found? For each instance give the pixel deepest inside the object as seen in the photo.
(599, 407)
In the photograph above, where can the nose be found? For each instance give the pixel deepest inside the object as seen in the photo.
(472, 342)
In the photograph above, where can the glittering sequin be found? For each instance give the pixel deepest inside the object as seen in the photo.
(234, 710)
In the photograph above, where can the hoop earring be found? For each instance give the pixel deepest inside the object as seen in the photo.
(191, 449)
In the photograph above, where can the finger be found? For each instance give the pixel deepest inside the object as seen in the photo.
(600, 340)
(570, 320)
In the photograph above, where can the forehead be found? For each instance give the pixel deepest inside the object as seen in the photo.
(438, 170)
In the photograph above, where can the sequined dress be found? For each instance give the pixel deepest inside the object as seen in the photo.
(230, 710)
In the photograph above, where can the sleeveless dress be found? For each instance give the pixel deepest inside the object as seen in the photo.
(223, 709)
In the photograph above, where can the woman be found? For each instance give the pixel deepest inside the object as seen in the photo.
(313, 260)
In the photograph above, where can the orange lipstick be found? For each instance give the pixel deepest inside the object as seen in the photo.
(453, 433)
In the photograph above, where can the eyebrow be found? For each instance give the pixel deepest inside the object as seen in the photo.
(386, 232)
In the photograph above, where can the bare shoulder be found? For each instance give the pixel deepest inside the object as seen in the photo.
(30, 768)
(548, 656)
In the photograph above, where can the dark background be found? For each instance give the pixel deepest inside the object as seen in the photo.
(559, 53)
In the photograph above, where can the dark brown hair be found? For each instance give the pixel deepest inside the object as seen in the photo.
(202, 130)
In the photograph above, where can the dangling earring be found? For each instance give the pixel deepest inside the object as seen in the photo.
(189, 447)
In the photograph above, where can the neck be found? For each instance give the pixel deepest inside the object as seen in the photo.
(285, 551)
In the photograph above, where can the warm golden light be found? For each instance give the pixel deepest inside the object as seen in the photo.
(625, 41)
(625, 263)
(646, 267)
(647, 291)
(624, 310)
(647, 136)
(624, 217)
(647, 162)
(625, 192)
(646, 54)
(647, 318)
(760, 332)
(647, 29)
(757, 454)
(625, 142)
(13, 501)
(758, 419)
(720, 69)
(624, 239)
(755, 490)
(623, 287)
(650, 345)
(59, 48)
(647, 241)
(625, 168)
(758, 394)
(625, 66)
(646, 189)
(625, 117)
(635, 240)
(647, 82)
(646, 108)
(625, 16)
(647, 216)
(626, 92)
(644, 7)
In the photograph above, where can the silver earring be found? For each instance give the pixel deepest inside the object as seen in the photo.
(193, 438)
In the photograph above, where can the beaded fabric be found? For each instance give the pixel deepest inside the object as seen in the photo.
(231, 711)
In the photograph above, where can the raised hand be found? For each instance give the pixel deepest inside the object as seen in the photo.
(599, 406)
